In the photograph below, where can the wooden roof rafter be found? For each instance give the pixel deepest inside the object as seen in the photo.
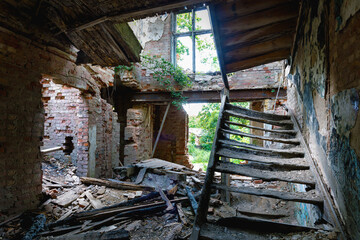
(255, 32)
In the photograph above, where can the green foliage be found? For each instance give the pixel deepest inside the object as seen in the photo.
(164, 72)
(121, 68)
(207, 120)
(199, 155)
(193, 122)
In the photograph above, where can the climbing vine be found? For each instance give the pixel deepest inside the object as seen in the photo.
(164, 72)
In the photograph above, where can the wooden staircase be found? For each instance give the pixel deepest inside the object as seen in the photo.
(269, 164)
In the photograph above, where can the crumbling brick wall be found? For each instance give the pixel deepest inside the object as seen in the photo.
(23, 63)
(138, 133)
(61, 104)
(172, 145)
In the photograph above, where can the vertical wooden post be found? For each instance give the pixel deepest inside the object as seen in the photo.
(160, 129)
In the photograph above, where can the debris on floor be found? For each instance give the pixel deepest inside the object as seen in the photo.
(153, 199)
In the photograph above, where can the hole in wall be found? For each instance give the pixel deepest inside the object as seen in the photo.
(68, 145)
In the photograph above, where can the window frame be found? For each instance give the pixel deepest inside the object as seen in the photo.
(175, 35)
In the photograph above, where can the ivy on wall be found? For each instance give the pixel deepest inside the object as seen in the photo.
(167, 75)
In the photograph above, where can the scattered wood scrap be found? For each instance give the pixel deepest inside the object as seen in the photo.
(113, 184)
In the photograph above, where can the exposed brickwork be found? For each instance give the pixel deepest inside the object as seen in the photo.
(138, 133)
(173, 140)
(23, 65)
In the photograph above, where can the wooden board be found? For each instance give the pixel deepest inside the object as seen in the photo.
(290, 164)
(278, 131)
(294, 141)
(307, 197)
(298, 176)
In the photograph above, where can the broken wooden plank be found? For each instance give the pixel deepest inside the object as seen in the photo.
(192, 199)
(67, 198)
(279, 131)
(294, 141)
(117, 185)
(110, 212)
(181, 214)
(120, 234)
(96, 203)
(159, 164)
(290, 164)
(306, 197)
(167, 201)
(283, 152)
(262, 215)
(298, 176)
(140, 176)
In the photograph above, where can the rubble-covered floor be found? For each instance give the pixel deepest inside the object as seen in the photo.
(66, 198)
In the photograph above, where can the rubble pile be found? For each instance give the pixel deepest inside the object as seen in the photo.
(153, 199)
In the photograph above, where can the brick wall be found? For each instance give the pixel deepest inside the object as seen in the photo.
(138, 133)
(23, 65)
(172, 145)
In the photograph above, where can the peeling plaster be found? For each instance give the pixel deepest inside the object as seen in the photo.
(149, 29)
(344, 109)
(344, 10)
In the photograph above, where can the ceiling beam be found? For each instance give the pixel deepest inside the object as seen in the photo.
(235, 9)
(218, 45)
(242, 95)
(122, 17)
(256, 49)
(259, 19)
(260, 34)
(258, 60)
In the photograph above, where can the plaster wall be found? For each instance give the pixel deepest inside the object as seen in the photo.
(323, 92)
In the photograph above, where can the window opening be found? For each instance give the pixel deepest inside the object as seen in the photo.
(193, 44)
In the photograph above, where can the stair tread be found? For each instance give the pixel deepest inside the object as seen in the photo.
(288, 123)
(297, 176)
(254, 113)
(292, 163)
(283, 152)
(305, 197)
(272, 139)
(280, 131)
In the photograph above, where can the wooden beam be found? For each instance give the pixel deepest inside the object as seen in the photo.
(234, 9)
(218, 45)
(261, 48)
(161, 127)
(260, 34)
(258, 60)
(211, 96)
(122, 17)
(259, 19)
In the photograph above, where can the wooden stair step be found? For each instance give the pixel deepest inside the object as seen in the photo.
(286, 123)
(304, 197)
(272, 139)
(298, 176)
(257, 114)
(279, 131)
(290, 164)
(282, 152)
(261, 225)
